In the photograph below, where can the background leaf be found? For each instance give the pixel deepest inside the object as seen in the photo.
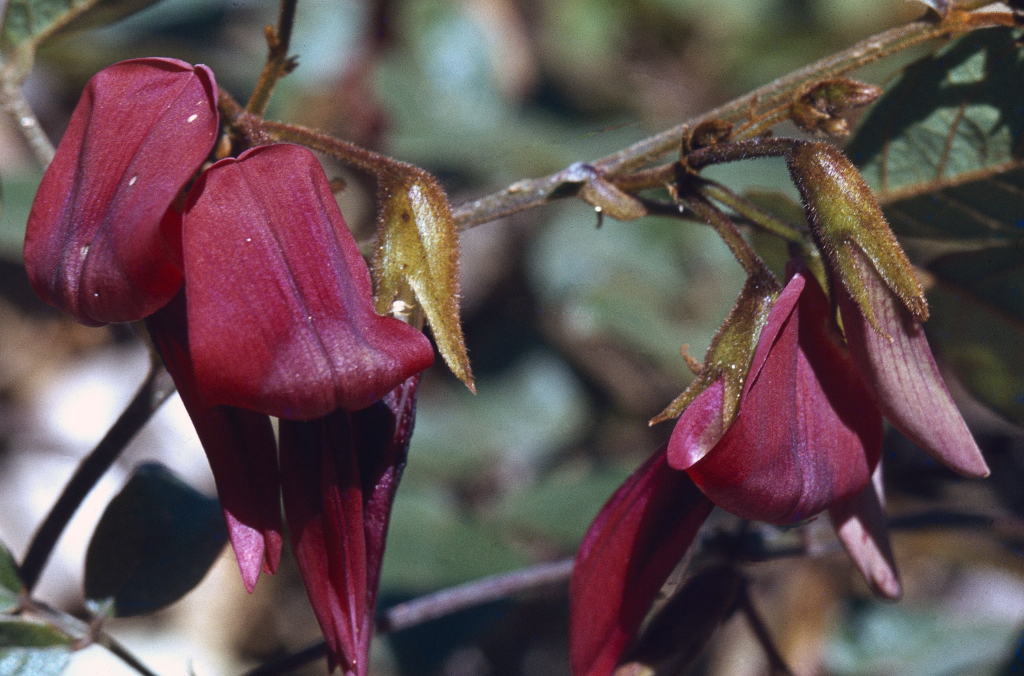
(944, 148)
(36, 20)
(156, 540)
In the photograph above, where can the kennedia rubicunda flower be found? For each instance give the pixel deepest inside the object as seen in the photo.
(103, 240)
(804, 433)
(260, 303)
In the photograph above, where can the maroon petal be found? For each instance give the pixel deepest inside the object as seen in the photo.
(636, 540)
(701, 427)
(807, 433)
(903, 376)
(860, 524)
(381, 434)
(323, 502)
(94, 244)
(281, 318)
(240, 446)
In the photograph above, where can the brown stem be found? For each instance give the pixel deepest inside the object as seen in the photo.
(533, 193)
(278, 63)
(447, 601)
(752, 264)
(348, 153)
(775, 661)
(437, 605)
(153, 392)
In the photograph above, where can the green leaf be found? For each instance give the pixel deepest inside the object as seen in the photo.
(944, 148)
(951, 117)
(156, 540)
(10, 581)
(33, 21)
(24, 634)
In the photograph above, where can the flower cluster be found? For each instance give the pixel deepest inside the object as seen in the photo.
(804, 432)
(260, 303)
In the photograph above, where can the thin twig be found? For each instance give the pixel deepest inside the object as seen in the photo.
(278, 63)
(536, 192)
(12, 98)
(764, 638)
(438, 605)
(447, 601)
(153, 392)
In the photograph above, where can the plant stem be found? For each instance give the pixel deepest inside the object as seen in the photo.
(752, 264)
(764, 638)
(536, 192)
(348, 153)
(744, 207)
(12, 99)
(438, 605)
(278, 64)
(153, 392)
(448, 601)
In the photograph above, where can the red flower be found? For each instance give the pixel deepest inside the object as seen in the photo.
(806, 438)
(275, 318)
(807, 433)
(103, 243)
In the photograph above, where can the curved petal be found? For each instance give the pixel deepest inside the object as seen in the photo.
(636, 540)
(101, 242)
(807, 433)
(241, 449)
(860, 524)
(281, 319)
(903, 377)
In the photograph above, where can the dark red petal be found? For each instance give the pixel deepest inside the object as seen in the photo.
(280, 311)
(807, 434)
(240, 446)
(381, 435)
(701, 427)
(634, 543)
(323, 503)
(94, 246)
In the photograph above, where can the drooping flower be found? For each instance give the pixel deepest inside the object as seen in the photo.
(103, 242)
(280, 307)
(275, 317)
(807, 433)
(806, 438)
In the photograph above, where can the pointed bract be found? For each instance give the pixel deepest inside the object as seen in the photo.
(807, 433)
(241, 449)
(636, 540)
(102, 243)
(846, 219)
(281, 317)
(903, 377)
(418, 246)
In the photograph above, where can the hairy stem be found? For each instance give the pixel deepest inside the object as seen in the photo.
(528, 194)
